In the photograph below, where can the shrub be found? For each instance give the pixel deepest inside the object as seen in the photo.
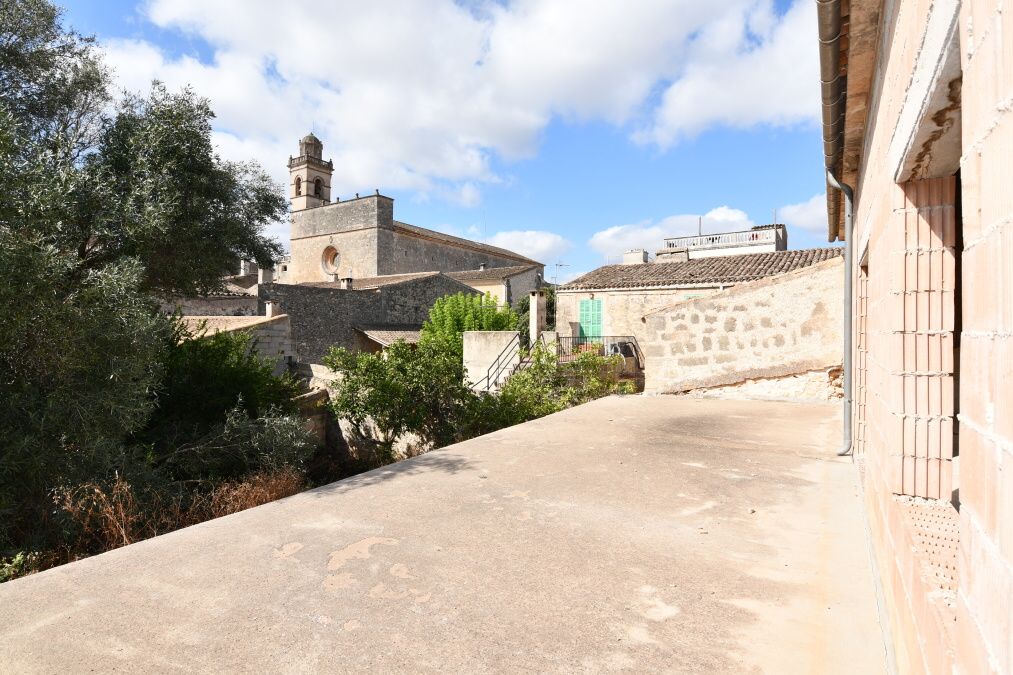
(239, 446)
(405, 389)
(408, 390)
(220, 437)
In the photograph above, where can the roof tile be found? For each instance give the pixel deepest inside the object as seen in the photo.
(714, 270)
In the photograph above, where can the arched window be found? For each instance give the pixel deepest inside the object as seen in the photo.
(298, 186)
(330, 260)
(318, 188)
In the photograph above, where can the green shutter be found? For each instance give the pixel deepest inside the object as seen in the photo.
(590, 318)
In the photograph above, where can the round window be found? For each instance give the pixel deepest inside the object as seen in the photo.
(329, 261)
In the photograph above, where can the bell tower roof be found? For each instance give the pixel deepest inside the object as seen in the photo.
(311, 146)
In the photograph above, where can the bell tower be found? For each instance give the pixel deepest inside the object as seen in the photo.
(310, 175)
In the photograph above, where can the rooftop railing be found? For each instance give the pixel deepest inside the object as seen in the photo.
(725, 239)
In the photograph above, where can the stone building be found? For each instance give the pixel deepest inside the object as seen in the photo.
(918, 129)
(359, 237)
(506, 284)
(355, 277)
(614, 299)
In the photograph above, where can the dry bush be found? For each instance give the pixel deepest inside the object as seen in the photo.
(108, 517)
(256, 489)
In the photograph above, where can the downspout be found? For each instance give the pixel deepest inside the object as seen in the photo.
(834, 89)
(848, 293)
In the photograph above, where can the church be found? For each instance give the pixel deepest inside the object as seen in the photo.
(355, 277)
(358, 237)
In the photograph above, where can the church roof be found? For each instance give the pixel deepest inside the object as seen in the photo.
(463, 243)
(729, 269)
(490, 273)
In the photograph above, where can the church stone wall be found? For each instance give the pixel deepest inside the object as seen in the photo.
(402, 252)
(352, 227)
(357, 248)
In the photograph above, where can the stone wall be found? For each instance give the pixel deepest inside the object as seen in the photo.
(522, 284)
(272, 336)
(482, 349)
(812, 386)
(622, 310)
(225, 305)
(402, 251)
(771, 328)
(357, 249)
(326, 317)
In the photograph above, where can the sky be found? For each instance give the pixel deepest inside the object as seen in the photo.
(567, 130)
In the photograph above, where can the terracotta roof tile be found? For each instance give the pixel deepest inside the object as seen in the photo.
(714, 270)
(388, 334)
(490, 273)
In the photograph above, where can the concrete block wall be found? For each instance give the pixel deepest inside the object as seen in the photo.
(928, 365)
(483, 349)
(771, 328)
(985, 598)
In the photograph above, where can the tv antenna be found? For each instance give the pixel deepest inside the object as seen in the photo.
(555, 276)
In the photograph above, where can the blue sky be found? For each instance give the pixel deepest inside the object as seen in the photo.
(567, 129)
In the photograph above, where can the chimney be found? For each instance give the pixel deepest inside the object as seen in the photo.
(672, 255)
(536, 313)
(345, 283)
(265, 275)
(271, 308)
(635, 256)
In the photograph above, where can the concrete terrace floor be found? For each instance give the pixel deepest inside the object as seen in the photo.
(636, 533)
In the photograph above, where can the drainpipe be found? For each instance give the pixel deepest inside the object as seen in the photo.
(846, 449)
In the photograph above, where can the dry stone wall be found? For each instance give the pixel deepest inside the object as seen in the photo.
(770, 328)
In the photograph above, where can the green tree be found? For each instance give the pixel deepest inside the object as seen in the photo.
(404, 389)
(451, 315)
(79, 349)
(100, 210)
(154, 189)
(52, 80)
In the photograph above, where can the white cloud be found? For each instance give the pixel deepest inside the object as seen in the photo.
(649, 235)
(808, 215)
(422, 96)
(539, 245)
(748, 68)
(563, 275)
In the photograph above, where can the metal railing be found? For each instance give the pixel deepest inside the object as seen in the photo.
(569, 348)
(725, 239)
(507, 360)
